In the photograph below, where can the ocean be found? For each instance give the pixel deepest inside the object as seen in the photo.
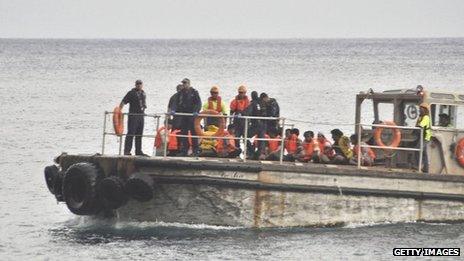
(54, 94)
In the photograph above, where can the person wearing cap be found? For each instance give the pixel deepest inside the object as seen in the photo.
(136, 98)
(187, 100)
(215, 103)
(237, 108)
(444, 120)
(424, 122)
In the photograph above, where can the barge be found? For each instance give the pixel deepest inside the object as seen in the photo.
(254, 193)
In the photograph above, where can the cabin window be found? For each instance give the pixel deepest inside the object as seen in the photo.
(460, 117)
(443, 115)
(367, 112)
(386, 111)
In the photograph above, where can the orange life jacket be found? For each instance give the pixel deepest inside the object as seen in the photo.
(370, 152)
(323, 146)
(291, 144)
(218, 102)
(273, 144)
(239, 104)
(230, 143)
(172, 143)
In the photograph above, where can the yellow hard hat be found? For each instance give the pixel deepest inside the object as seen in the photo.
(215, 88)
(425, 106)
(242, 88)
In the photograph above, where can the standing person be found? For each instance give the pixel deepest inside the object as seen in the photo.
(237, 108)
(187, 101)
(215, 103)
(270, 108)
(255, 126)
(135, 123)
(424, 122)
(174, 122)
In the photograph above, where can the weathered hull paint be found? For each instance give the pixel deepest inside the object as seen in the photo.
(268, 195)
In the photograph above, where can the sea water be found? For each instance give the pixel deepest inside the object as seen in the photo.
(54, 94)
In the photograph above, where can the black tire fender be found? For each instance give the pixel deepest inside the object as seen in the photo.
(140, 187)
(51, 174)
(111, 192)
(80, 188)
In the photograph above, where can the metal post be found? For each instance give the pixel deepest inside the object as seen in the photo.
(282, 142)
(359, 145)
(421, 152)
(156, 132)
(165, 145)
(120, 139)
(104, 132)
(245, 139)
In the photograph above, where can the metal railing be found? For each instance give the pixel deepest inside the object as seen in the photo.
(157, 117)
(245, 138)
(360, 145)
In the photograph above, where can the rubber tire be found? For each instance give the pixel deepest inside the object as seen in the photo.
(112, 193)
(140, 187)
(80, 188)
(51, 174)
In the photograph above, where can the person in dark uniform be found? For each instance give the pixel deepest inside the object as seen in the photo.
(137, 104)
(187, 100)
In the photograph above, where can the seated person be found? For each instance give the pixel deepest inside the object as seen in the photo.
(225, 148)
(208, 145)
(367, 154)
(293, 145)
(342, 147)
(326, 152)
(272, 151)
(311, 149)
(444, 120)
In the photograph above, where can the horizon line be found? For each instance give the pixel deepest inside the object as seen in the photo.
(232, 38)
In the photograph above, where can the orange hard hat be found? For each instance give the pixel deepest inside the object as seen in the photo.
(242, 88)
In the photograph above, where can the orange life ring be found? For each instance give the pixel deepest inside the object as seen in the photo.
(118, 121)
(460, 152)
(199, 130)
(396, 135)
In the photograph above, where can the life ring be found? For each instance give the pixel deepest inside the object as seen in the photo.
(396, 135)
(118, 121)
(460, 152)
(199, 130)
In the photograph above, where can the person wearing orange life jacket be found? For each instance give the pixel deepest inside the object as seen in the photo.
(273, 146)
(311, 148)
(237, 108)
(225, 147)
(293, 145)
(326, 152)
(215, 103)
(367, 154)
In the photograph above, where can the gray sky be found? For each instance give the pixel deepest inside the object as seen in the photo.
(230, 19)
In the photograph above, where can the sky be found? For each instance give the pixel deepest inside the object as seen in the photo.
(231, 19)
